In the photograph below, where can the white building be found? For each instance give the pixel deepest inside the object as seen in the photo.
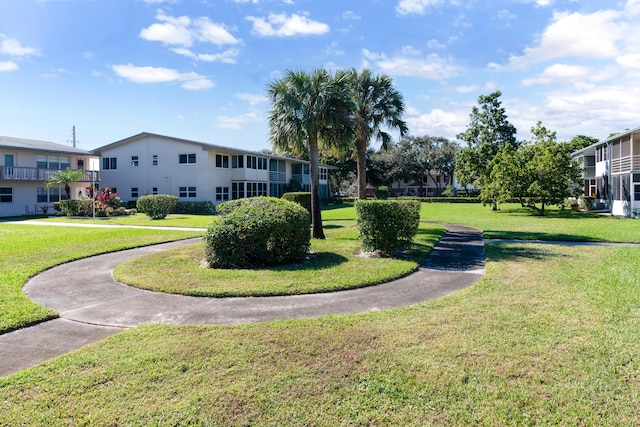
(148, 163)
(25, 165)
(611, 173)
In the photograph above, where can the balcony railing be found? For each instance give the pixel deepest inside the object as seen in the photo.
(19, 173)
(277, 176)
(301, 178)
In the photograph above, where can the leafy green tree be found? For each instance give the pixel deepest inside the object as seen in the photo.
(540, 171)
(488, 131)
(64, 178)
(307, 109)
(385, 166)
(552, 169)
(428, 156)
(579, 142)
(378, 106)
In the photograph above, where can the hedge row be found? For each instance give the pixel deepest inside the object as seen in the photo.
(387, 225)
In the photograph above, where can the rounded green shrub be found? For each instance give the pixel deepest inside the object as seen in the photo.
(157, 206)
(256, 232)
(303, 198)
(387, 225)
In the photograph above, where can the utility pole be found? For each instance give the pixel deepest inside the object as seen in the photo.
(73, 136)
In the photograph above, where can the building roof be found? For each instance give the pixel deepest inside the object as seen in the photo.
(205, 146)
(37, 145)
(591, 148)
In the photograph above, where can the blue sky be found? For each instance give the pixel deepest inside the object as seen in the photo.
(198, 69)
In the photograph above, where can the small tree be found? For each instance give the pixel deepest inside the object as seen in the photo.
(64, 178)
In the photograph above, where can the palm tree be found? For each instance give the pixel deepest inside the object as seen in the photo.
(378, 106)
(308, 109)
(64, 178)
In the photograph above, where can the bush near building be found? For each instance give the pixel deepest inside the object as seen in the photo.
(157, 206)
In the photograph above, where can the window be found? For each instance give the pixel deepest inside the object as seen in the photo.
(262, 163)
(134, 161)
(80, 163)
(154, 160)
(65, 162)
(262, 189)
(6, 195)
(237, 162)
(8, 159)
(154, 190)
(109, 163)
(188, 192)
(237, 190)
(222, 161)
(323, 174)
(222, 193)
(636, 192)
(41, 162)
(49, 195)
(134, 192)
(187, 158)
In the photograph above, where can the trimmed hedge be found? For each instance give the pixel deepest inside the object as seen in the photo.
(382, 193)
(195, 208)
(256, 232)
(387, 225)
(300, 197)
(157, 206)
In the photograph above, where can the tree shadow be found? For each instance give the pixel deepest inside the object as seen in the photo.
(511, 251)
(536, 235)
(316, 261)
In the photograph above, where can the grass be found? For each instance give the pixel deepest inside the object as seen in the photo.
(172, 220)
(334, 266)
(548, 337)
(515, 222)
(544, 339)
(28, 249)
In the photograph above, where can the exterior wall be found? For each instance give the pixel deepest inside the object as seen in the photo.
(24, 178)
(212, 174)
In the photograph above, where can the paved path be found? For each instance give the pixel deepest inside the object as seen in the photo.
(92, 305)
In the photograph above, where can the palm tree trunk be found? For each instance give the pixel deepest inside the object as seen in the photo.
(361, 168)
(316, 215)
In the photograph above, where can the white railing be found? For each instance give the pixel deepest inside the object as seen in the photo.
(19, 173)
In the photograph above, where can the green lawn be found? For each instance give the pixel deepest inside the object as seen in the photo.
(26, 250)
(548, 337)
(335, 265)
(172, 220)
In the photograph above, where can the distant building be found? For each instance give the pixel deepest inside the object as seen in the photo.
(148, 163)
(25, 165)
(611, 173)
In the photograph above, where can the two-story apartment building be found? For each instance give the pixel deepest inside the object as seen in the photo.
(25, 165)
(149, 163)
(611, 173)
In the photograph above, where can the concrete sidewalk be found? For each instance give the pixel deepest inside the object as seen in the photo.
(92, 305)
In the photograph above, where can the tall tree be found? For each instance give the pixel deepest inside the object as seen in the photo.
(378, 107)
(64, 178)
(307, 109)
(488, 131)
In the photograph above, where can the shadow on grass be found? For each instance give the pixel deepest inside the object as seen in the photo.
(332, 226)
(533, 235)
(319, 261)
(510, 252)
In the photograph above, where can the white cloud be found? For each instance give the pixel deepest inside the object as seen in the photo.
(242, 121)
(632, 7)
(15, 48)
(8, 66)
(252, 98)
(505, 14)
(409, 7)
(576, 35)
(435, 44)
(467, 89)
(431, 67)
(191, 81)
(629, 61)
(227, 57)
(437, 122)
(350, 15)
(281, 25)
(566, 73)
(184, 31)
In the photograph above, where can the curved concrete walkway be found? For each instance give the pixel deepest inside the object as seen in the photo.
(92, 305)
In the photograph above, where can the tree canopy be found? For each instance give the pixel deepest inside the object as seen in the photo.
(64, 178)
(308, 109)
(488, 131)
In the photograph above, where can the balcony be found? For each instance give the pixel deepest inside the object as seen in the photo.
(277, 176)
(17, 173)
